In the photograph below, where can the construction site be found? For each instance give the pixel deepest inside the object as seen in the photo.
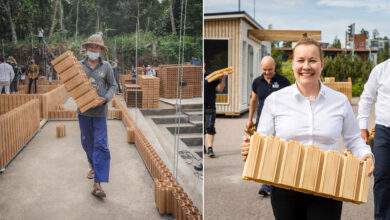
(155, 142)
(153, 127)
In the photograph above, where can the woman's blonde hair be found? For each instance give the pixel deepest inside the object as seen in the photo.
(309, 41)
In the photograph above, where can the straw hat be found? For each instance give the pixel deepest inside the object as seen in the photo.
(95, 39)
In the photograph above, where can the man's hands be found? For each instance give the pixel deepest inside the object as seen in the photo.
(249, 124)
(364, 134)
(245, 147)
(370, 163)
(100, 101)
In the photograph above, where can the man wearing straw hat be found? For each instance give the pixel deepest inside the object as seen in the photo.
(93, 123)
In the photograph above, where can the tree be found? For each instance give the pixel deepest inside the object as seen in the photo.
(7, 8)
(336, 43)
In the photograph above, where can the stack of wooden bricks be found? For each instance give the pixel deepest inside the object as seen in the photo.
(150, 91)
(60, 130)
(343, 87)
(17, 127)
(169, 196)
(218, 74)
(171, 199)
(126, 119)
(62, 114)
(191, 85)
(76, 81)
(289, 164)
(133, 95)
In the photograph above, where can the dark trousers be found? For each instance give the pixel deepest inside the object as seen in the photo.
(381, 152)
(209, 121)
(14, 86)
(30, 82)
(291, 205)
(94, 141)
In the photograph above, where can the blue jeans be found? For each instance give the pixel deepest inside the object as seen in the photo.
(381, 152)
(94, 141)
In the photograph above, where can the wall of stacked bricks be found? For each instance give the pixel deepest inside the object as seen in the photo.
(192, 76)
(132, 94)
(289, 164)
(169, 196)
(343, 87)
(150, 91)
(16, 127)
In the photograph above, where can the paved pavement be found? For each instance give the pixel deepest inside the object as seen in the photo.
(227, 196)
(47, 180)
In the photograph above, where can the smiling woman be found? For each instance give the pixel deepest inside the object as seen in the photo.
(313, 114)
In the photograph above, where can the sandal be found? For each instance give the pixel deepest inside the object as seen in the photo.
(91, 174)
(98, 192)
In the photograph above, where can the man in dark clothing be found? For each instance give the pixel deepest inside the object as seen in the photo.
(263, 86)
(210, 90)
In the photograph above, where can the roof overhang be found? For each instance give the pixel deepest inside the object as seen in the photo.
(284, 35)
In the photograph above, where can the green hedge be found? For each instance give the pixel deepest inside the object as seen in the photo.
(341, 67)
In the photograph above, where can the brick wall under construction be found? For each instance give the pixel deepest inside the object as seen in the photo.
(150, 91)
(191, 84)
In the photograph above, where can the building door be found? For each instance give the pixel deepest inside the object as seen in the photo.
(216, 57)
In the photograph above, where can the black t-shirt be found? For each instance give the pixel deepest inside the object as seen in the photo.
(210, 93)
(262, 88)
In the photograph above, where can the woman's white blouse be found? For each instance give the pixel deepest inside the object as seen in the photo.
(291, 116)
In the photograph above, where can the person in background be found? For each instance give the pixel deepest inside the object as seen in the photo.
(262, 87)
(93, 122)
(150, 71)
(18, 73)
(210, 90)
(6, 75)
(32, 73)
(376, 90)
(40, 35)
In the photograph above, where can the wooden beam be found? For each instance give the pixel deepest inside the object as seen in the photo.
(284, 35)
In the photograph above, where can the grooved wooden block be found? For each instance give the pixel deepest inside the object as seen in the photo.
(70, 73)
(60, 131)
(269, 164)
(330, 176)
(92, 104)
(130, 135)
(61, 57)
(308, 169)
(75, 81)
(349, 178)
(80, 90)
(65, 64)
(86, 98)
(311, 168)
(291, 164)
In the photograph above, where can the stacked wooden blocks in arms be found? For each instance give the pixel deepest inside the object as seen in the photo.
(76, 81)
(218, 74)
(289, 164)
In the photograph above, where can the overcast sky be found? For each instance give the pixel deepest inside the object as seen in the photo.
(332, 17)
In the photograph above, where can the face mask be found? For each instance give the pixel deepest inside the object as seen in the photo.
(92, 55)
